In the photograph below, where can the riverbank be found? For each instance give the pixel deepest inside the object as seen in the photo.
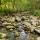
(10, 23)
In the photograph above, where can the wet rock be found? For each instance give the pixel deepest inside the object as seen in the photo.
(11, 19)
(39, 21)
(33, 20)
(38, 26)
(32, 37)
(3, 30)
(3, 39)
(38, 38)
(33, 17)
(34, 23)
(23, 18)
(10, 27)
(22, 24)
(18, 18)
(3, 35)
(20, 27)
(27, 24)
(29, 27)
(3, 19)
(23, 36)
(37, 30)
(17, 34)
(32, 28)
(15, 24)
(1, 24)
(6, 23)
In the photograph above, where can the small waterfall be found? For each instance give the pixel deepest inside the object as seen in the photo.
(23, 35)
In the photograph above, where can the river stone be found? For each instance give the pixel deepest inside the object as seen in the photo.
(3, 35)
(16, 34)
(39, 21)
(37, 30)
(27, 24)
(38, 38)
(15, 24)
(18, 18)
(23, 18)
(34, 23)
(3, 39)
(38, 26)
(6, 23)
(32, 36)
(10, 27)
(11, 19)
(33, 20)
(0, 23)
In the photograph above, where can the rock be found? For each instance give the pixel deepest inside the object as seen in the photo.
(32, 36)
(6, 23)
(33, 20)
(20, 26)
(9, 27)
(38, 26)
(38, 38)
(3, 30)
(16, 34)
(37, 30)
(3, 35)
(15, 24)
(29, 27)
(11, 19)
(1, 24)
(3, 39)
(4, 19)
(27, 24)
(18, 18)
(33, 17)
(34, 23)
(32, 28)
(39, 21)
(23, 18)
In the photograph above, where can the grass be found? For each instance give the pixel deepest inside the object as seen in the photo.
(37, 13)
(9, 6)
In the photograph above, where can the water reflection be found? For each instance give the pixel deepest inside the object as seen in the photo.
(11, 36)
(23, 35)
